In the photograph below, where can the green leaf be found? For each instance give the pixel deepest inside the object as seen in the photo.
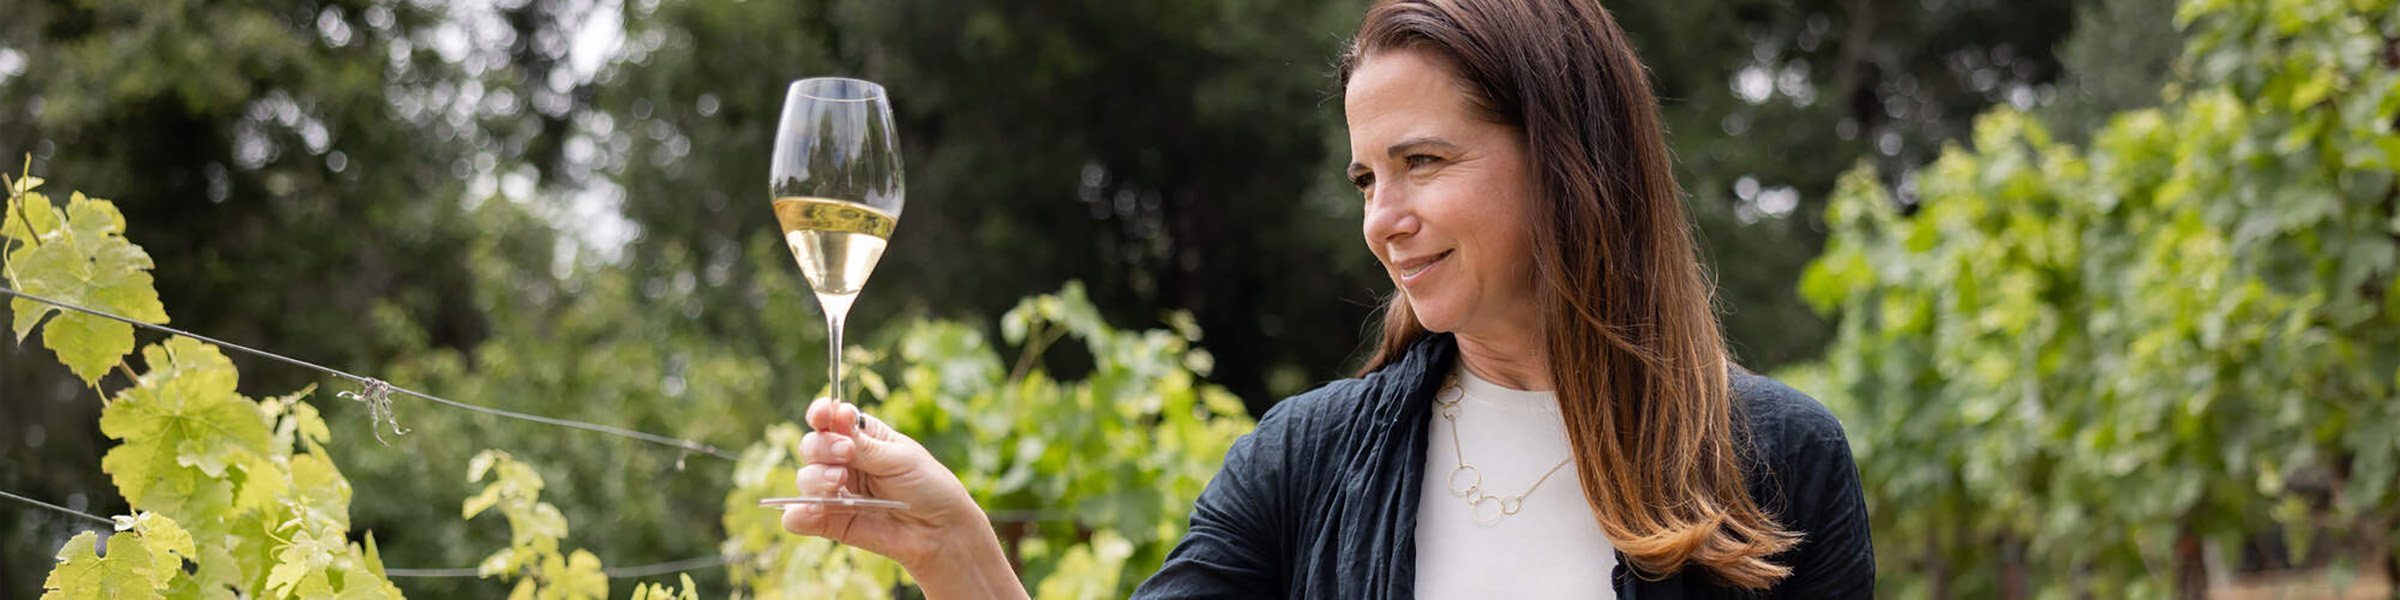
(170, 543)
(181, 416)
(21, 185)
(83, 258)
(321, 489)
(2314, 89)
(660, 591)
(367, 580)
(1088, 572)
(301, 566)
(301, 420)
(129, 570)
(577, 577)
(28, 215)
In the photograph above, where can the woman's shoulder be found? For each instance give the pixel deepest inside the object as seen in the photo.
(1800, 466)
(1337, 405)
(1779, 412)
(1810, 482)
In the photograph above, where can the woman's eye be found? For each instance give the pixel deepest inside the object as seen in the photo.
(1362, 180)
(1420, 160)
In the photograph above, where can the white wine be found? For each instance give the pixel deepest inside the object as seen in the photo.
(836, 243)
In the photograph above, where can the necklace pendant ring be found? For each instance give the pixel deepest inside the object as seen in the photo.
(1473, 485)
(1487, 513)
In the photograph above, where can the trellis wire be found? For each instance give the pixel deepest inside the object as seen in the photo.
(62, 509)
(632, 572)
(374, 392)
(657, 568)
(636, 571)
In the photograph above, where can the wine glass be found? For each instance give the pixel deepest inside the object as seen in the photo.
(837, 193)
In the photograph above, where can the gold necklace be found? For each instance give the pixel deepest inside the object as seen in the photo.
(1474, 492)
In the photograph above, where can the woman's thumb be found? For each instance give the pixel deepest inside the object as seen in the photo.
(878, 449)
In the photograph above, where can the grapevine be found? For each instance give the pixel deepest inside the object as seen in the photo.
(2090, 368)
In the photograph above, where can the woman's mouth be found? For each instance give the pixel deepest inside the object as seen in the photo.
(1412, 268)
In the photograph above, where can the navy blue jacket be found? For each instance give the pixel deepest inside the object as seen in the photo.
(1321, 500)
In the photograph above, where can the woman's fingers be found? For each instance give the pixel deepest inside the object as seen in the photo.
(820, 414)
(829, 448)
(809, 519)
(821, 479)
(833, 416)
(845, 436)
(845, 418)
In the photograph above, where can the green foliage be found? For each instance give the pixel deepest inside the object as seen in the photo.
(215, 476)
(1029, 126)
(78, 255)
(268, 514)
(660, 591)
(182, 425)
(2100, 358)
(1024, 444)
(1088, 571)
(770, 564)
(535, 527)
(144, 556)
(606, 345)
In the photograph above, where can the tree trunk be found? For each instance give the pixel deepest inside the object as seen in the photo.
(2191, 573)
(2013, 584)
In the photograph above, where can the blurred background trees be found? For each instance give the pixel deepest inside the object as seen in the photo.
(557, 206)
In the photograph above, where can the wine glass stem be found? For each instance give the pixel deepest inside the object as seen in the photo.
(833, 354)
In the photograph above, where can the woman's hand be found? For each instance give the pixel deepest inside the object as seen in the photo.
(942, 538)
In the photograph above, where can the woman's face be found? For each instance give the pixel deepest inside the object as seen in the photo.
(1447, 196)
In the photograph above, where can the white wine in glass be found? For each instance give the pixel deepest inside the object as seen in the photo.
(837, 190)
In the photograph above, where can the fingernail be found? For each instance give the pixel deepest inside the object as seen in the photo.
(841, 449)
(833, 474)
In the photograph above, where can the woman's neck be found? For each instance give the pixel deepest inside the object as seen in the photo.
(1516, 362)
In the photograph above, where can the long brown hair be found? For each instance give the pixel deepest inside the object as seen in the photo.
(1634, 350)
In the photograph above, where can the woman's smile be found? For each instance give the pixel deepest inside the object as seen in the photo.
(1413, 270)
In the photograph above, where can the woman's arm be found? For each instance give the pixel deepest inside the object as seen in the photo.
(943, 539)
(1235, 546)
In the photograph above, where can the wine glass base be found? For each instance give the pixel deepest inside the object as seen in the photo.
(841, 502)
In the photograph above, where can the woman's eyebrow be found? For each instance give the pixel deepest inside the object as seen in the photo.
(1403, 148)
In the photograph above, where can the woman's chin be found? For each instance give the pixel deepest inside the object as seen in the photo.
(1437, 321)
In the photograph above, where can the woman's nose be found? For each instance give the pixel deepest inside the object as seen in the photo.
(1388, 216)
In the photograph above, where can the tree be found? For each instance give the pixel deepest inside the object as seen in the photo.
(292, 166)
(1166, 152)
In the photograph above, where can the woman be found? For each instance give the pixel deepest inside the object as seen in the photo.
(1550, 412)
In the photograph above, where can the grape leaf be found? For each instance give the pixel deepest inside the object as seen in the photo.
(171, 544)
(660, 591)
(321, 489)
(129, 570)
(181, 415)
(575, 577)
(300, 566)
(369, 582)
(79, 257)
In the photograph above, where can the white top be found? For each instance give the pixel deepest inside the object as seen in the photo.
(1551, 548)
